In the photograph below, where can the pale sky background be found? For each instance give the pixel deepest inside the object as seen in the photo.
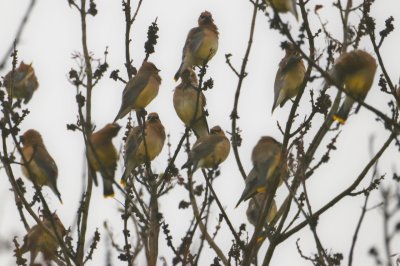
(53, 33)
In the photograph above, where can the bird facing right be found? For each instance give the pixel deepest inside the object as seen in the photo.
(135, 152)
(209, 151)
(140, 90)
(266, 157)
(201, 44)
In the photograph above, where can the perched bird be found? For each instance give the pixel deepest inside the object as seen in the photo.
(284, 6)
(140, 90)
(105, 156)
(209, 151)
(40, 166)
(254, 209)
(354, 71)
(289, 76)
(201, 44)
(135, 152)
(22, 83)
(186, 99)
(38, 240)
(266, 157)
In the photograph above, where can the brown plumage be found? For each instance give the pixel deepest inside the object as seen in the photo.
(22, 83)
(186, 99)
(283, 6)
(254, 209)
(106, 156)
(37, 240)
(43, 169)
(289, 76)
(209, 151)
(135, 152)
(266, 157)
(201, 44)
(354, 71)
(140, 90)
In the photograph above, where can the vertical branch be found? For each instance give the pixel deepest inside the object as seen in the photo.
(241, 76)
(87, 130)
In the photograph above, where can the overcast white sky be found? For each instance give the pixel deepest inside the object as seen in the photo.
(53, 33)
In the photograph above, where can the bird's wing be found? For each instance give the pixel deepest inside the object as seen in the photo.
(133, 142)
(44, 161)
(193, 40)
(133, 89)
(205, 146)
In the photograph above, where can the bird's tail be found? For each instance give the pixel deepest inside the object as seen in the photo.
(343, 113)
(55, 190)
(178, 73)
(108, 190)
(186, 165)
(200, 127)
(293, 9)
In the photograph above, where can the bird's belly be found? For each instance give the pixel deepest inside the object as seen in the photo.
(147, 94)
(358, 84)
(207, 49)
(280, 5)
(39, 176)
(186, 109)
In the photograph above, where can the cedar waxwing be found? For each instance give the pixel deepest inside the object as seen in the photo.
(289, 76)
(266, 157)
(140, 90)
(201, 44)
(135, 153)
(354, 71)
(23, 84)
(283, 6)
(209, 151)
(186, 98)
(41, 165)
(255, 204)
(107, 156)
(38, 240)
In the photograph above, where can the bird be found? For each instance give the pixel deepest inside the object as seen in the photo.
(284, 6)
(289, 77)
(254, 209)
(105, 156)
(38, 166)
(186, 99)
(22, 83)
(140, 90)
(354, 71)
(201, 44)
(38, 240)
(135, 152)
(209, 151)
(266, 157)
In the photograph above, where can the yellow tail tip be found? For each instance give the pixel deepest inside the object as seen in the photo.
(261, 189)
(109, 196)
(260, 239)
(339, 119)
(122, 182)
